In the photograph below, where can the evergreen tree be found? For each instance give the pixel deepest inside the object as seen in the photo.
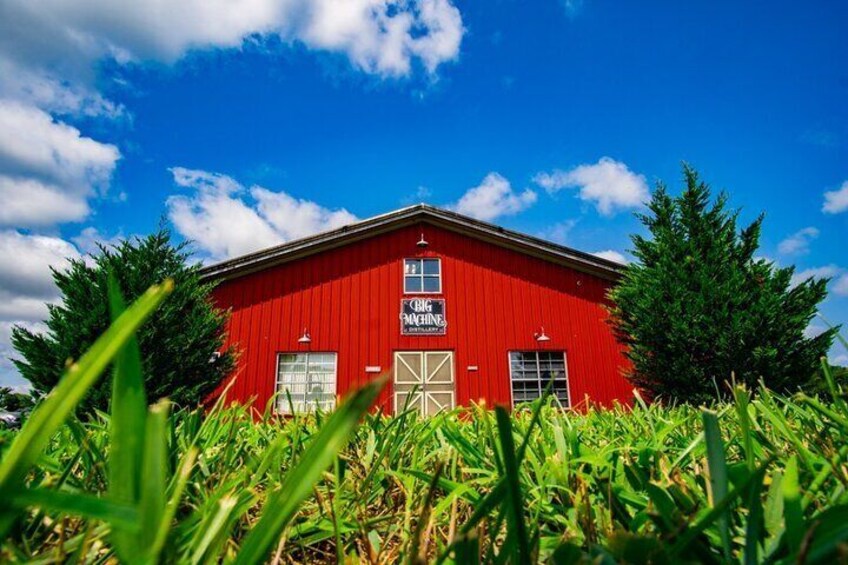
(698, 306)
(178, 344)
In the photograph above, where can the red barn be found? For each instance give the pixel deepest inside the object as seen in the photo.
(456, 309)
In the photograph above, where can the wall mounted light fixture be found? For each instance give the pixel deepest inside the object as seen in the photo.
(541, 337)
(422, 243)
(305, 337)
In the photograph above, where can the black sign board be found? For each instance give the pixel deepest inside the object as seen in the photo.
(422, 316)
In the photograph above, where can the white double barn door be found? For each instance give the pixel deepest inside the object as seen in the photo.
(424, 380)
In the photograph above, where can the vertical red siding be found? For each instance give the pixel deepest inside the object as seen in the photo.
(496, 300)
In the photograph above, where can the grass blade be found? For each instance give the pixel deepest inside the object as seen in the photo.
(792, 514)
(79, 504)
(180, 481)
(417, 554)
(755, 526)
(128, 413)
(152, 498)
(515, 507)
(718, 510)
(282, 505)
(60, 403)
(467, 550)
(718, 474)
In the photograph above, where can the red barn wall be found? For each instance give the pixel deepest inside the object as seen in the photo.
(496, 299)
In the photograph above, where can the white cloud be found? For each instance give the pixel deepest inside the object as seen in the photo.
(294, 218)
(48, 170)
(26, 286)
(90, 239)
(225, 219)
(39, 88)
(492, 198)
(799, 242)
(559, 231)
(421, 194)
(839, 360)
(25, 262)
(33, 143)
(839, 287)
(608, 184)
(829, 271)
(30, 202)
(378, 36)
(837, 274)
(612, 255)
(812, 330)
(50, 51)
(836, 201)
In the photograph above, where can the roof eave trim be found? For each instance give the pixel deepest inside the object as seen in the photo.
(252, 262)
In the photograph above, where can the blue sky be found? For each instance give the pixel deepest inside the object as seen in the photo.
(247, 125)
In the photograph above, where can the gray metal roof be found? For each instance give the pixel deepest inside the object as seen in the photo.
(412, 215)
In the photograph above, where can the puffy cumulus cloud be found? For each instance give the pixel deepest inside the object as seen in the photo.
(612, 255)
(294, 218)
(226, 219)
(33, 143)
(26, 287)
(379, 36)
(26, 283)
(836, 201)
(492, 198)
(30, 202)
(25, 263)
(383, 36)
(42, 89)
(50, 51)
(216, 217)
(48, 169)
(799, 242)
(838, 277)
(608, 184)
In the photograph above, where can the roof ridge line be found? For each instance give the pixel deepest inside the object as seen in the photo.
(257, 260)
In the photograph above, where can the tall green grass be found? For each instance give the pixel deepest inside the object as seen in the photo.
(759, 479)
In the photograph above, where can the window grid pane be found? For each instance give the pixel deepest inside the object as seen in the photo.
(431, 284)
(430, 267)
(422, 275)
(531, 371)
(309, 379)
(412, 284)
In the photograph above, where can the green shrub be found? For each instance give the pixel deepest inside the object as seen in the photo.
(698, 306)
(177, 348)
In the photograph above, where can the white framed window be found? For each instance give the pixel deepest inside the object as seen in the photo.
(531, 371)
(310, 380)
(422, 276)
